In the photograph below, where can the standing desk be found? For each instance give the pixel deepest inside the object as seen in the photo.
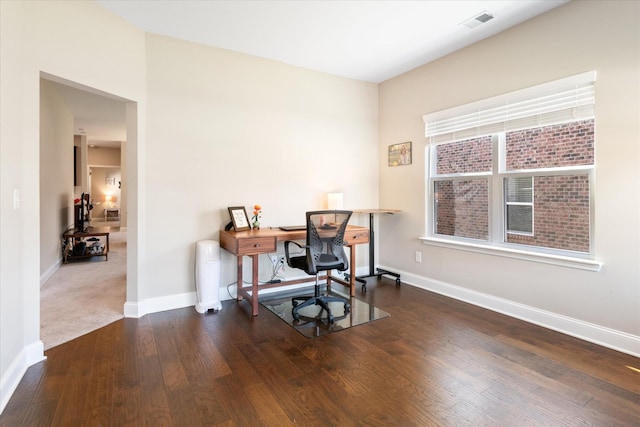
(378, 271)
(254, 242)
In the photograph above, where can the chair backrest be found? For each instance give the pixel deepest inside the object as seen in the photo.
(325, 240)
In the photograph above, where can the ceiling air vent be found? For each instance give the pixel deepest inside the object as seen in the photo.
(478, 19)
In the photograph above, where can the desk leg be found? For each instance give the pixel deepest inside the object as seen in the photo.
(352, 277)
(254, 286)
(239, 276)
(372, 245)
(378, 271)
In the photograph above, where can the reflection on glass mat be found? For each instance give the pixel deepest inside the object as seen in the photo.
(313, 319)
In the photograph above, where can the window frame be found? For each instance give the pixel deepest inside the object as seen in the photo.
(530, 204)
(497, 244)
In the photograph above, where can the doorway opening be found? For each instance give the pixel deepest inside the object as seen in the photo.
(75, 120)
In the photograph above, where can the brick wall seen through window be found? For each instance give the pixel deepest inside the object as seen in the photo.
(559, 158)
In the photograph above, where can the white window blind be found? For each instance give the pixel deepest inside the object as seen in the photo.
(564, 100)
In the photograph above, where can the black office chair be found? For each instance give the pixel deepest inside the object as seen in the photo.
(324, 251)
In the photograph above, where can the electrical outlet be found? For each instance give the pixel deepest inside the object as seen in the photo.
(278, 260)
(418, 256)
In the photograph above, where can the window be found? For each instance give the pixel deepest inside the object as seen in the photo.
(461, 187)
(518, 194)
(516, 171)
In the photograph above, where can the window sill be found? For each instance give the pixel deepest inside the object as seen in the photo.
(564, 261)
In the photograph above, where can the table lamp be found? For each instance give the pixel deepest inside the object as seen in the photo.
(334, 201)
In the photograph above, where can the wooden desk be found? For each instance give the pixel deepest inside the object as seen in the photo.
(73, 236)
(252, 243)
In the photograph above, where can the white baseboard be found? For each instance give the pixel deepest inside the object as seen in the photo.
(47, 274)
(29, 356)
(597, 334)
(154, 305)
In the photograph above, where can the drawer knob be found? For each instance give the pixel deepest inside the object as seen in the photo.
(257, 245)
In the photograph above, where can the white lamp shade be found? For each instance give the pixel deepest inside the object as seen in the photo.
(334, 201)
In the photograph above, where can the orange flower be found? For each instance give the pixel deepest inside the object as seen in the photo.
(257, 210)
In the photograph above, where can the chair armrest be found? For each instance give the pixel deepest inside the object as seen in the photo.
(286, 248)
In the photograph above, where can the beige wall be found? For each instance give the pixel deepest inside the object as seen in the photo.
(108, 56)
(228, 129)
(104, 156)
(577, 37)
(56, 176)
(224, 129)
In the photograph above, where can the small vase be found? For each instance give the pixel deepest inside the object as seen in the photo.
(256, 225)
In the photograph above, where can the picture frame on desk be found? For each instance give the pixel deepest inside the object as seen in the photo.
(239, 218)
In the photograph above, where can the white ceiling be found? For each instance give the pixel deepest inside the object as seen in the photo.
(364, 40)
(359, 39)
(101, 119)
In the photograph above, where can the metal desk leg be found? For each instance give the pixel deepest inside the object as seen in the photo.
(374, 272)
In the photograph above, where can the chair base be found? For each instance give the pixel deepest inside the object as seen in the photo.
(321, 300)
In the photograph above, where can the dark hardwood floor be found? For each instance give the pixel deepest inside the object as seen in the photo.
(435, 361)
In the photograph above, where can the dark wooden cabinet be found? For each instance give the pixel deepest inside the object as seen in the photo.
(78, 244)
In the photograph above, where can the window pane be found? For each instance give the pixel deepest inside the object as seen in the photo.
(561, 204)
(470, 156)
(567, 144)
(519, 190)
(462, 208)
(519, 219)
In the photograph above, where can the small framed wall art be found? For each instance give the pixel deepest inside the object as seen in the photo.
(400, 154)
(239, 218)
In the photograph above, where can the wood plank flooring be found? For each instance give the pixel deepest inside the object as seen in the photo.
(434, 362)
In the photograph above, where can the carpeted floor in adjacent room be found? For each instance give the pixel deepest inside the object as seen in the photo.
(83, 296)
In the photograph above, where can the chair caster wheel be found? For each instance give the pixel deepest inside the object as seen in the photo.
(398, 281)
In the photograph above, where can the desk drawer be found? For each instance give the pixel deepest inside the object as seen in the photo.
(356, 237)
(256, 245)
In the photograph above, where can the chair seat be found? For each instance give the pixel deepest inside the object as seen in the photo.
(326, 262)
(299, 262)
